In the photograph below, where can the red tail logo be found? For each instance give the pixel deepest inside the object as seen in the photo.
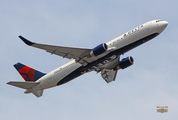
(28, 73)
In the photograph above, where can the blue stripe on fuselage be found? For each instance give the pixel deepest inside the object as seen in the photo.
(79, 71)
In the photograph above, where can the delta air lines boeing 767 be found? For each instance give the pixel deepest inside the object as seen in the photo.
(104, 59)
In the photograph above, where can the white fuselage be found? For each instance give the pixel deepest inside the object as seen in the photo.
(121, 44)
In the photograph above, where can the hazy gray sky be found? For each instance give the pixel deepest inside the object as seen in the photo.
(150, 82)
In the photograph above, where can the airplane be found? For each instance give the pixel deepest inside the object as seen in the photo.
(103, 59)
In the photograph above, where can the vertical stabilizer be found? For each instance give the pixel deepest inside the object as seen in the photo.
(28, 73)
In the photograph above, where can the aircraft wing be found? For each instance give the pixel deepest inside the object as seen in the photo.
(65, 52)
(109, 75)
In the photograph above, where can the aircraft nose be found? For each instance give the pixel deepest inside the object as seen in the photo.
(162, 25)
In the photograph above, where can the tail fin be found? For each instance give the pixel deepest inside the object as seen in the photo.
(28, 73)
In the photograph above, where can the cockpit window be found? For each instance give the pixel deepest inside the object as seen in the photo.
(158, 20)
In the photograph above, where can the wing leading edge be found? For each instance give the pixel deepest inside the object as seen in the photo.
(65, 52)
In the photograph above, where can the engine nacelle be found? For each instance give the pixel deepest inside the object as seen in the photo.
(126, 62)
(98, 50)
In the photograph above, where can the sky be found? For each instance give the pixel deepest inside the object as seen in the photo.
(150, 82)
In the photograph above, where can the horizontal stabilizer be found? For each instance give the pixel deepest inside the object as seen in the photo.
(24, 85)
(38, 93)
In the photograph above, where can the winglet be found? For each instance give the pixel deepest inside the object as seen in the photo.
(26, 41)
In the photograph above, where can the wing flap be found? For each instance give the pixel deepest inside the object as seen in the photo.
(109, 75)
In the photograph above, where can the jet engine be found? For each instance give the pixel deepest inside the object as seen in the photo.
(98, 50)
(126, 62)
